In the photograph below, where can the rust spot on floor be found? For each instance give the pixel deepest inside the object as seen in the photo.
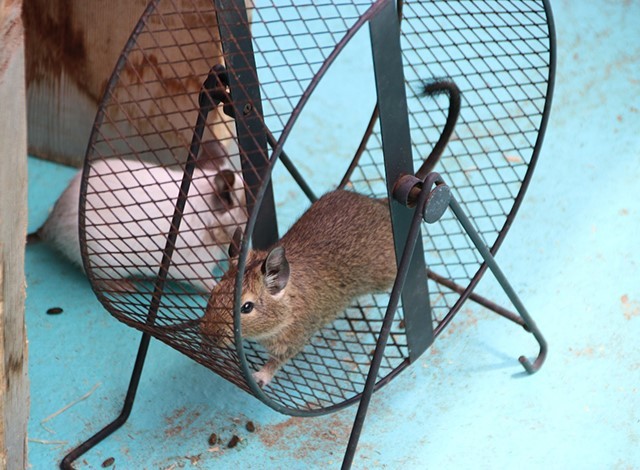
(630, 308)
(179, 420)
(584, 352)
(272, 435)
(319, 434)
(464, 320)
(597, 351)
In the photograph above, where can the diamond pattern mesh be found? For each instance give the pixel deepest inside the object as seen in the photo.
(497, 53)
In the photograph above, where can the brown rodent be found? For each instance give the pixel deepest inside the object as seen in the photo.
(340, 249)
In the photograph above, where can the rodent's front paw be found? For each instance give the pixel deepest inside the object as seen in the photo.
(262, 377)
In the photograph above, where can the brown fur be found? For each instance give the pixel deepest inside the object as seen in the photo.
(340, 249)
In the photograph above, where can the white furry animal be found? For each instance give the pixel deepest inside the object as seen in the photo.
(128, 213)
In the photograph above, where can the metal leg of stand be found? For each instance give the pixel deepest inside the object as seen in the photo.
(124, 414)
(393, 304)
(486, 303)
(504, 283)
(383, 337)
(210, 96)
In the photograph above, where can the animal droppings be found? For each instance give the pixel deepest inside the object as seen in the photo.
(233, 442)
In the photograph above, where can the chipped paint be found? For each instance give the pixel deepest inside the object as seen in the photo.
(630, 308)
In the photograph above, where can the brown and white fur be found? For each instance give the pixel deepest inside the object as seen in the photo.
(340, 249)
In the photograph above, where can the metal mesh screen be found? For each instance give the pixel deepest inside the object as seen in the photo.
(497, 53)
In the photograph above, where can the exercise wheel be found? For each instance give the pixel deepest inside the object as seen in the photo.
(460, 98)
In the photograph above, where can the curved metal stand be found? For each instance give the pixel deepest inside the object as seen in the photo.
(504, 283)
(211, 95)
(412, 237)
(433, 195)
(124, 414)
(427, 194)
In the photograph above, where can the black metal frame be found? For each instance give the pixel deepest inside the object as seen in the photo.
(212, 94)
(396, 142)
(412, 200)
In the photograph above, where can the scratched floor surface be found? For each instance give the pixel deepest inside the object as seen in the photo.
(573, 255)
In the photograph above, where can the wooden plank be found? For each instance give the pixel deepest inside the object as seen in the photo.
(72, 47)
(14, 390)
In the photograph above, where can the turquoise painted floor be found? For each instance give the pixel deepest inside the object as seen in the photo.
(573, 255)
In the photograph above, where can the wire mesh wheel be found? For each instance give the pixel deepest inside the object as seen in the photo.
(205, 102)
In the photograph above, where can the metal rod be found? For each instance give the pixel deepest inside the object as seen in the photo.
(367, 133)
(398, 161)
(381, 343)
(361, 148)
(124, 414)
(206, 103)
(221, 95)
(477, 298)
(291, 168)
(246, 101)
(504, 283)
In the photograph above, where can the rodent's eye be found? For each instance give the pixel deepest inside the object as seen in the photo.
(247, 307)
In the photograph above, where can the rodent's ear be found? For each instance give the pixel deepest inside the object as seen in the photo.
(234, 246)
(275, 270)
(223, 182)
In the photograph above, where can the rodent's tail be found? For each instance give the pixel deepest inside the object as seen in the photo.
(439, 86)
(34, 237)
(433, 88)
